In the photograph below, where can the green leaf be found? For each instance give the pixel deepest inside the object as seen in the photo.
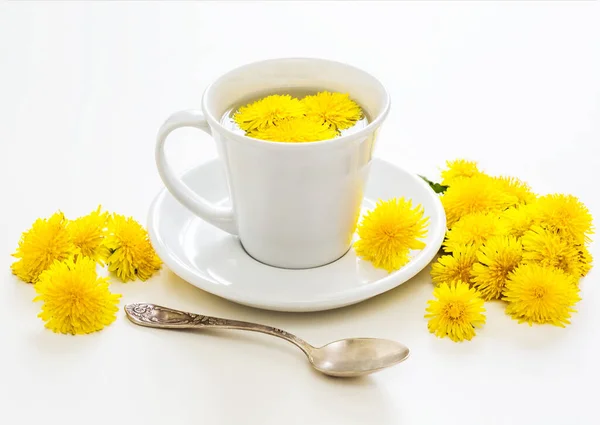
(437, 187)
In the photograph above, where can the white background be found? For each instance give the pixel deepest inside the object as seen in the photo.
(83, 90)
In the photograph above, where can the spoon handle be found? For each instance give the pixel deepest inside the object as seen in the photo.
(156, 316)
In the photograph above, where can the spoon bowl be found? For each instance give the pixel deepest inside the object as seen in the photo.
(357, 356)
(343, 358)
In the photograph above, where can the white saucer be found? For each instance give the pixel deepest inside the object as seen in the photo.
(215, 261)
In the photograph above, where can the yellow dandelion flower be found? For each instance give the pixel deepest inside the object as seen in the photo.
(538, 294)
(131, 254)
(517, 220)
(516, 188)
(76, 300)
(268, 111)
(455, 267)
(87, 234)
(296, 130)
(389, 232)
(567, 215)
(472, 229)
(335, 110)
(477, 194)
(498, 257)
(585, 259)
(459, 169)
(456, 311)
(47, 240)
(547, 248)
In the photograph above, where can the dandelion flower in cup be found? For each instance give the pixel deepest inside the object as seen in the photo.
(47, 240)
(517, 188)
(478, 194)
(459, 169)
(454, 267)
(76, 300)
(87, 234)
(131, 254)
(335, 110)
(389, 232)
(548, 248)
(295, 130)
(517, 220)
(538, 294)
(498, 257)
(455, 312)
(472, 229)
(566, 214)
(268, 111)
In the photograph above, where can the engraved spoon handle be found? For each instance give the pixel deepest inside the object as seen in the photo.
(156, 316)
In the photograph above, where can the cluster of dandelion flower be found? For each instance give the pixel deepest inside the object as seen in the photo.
(283, 118)
(59, 256)
(506, 243)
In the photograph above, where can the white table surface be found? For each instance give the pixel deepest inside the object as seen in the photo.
(83, 89)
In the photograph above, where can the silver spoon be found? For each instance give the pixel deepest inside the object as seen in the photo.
(345, 358)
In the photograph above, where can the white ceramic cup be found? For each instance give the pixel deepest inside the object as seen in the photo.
(294, 205)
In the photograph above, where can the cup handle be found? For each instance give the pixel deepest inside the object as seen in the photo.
(219, 216)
